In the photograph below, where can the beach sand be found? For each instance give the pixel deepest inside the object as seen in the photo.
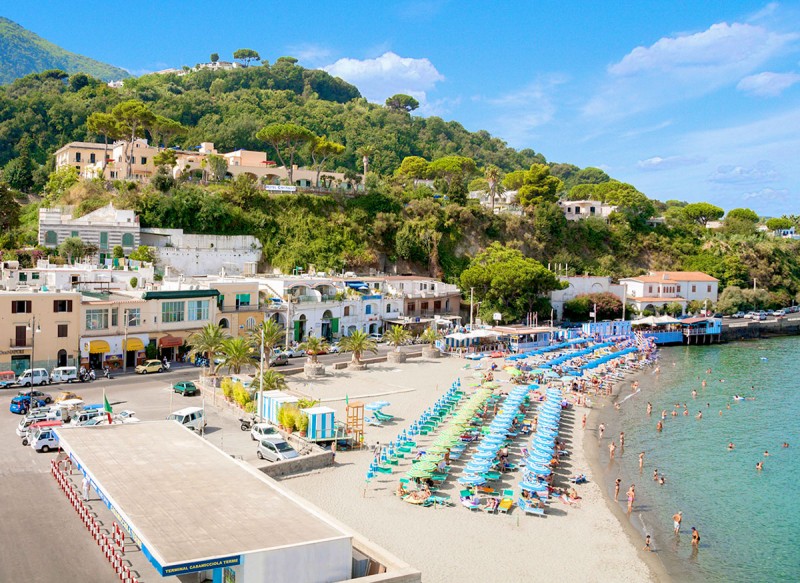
(585, 543)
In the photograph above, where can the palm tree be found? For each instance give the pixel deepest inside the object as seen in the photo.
(269, 381)
(397, 336)
(492, 175)
(270, 333)
(358, 343)
(366, 152)
(207, 340)
(430, 336)
(314, 346)
(236, 353)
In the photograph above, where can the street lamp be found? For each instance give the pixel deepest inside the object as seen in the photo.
(34, 328)
(127, 317)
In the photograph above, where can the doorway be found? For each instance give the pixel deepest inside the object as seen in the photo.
(62, 357)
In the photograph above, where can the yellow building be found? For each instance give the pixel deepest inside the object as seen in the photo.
(42, 327)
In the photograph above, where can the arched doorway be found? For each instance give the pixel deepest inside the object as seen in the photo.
(224, 323)
(300, 328)
(373, 328)
(327, 327)
(62, 357)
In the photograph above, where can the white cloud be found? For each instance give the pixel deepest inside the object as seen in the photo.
(658, 163)
(685, 66)
(768, 84)
(387, 75)
(762, 171)
(768, 194)
(309, 54)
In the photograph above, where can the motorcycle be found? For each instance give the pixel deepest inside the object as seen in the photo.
(107, 373)
(247, 424)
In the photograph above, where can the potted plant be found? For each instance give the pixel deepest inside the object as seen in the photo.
(314, 346)
(301, 422)
(430, 336)
(358, 343)
(397, 336)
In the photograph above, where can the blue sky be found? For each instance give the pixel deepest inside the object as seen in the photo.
(685, 100)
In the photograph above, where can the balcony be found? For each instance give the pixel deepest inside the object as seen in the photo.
(239, 308)
(13, 344)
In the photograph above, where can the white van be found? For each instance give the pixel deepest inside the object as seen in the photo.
(64, 374)
(44, 439)
(191, 417)
(81, 417)
(37, 376)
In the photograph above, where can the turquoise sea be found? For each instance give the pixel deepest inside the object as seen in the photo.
(749, 521)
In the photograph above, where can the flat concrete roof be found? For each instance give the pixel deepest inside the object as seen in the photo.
(186, 499)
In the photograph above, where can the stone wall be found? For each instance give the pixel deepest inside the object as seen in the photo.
(318, 458)
(749, 330)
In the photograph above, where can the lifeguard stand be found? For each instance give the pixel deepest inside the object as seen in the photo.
(355, 422)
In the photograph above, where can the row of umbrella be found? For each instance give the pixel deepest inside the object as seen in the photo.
(604, 359)
(546, 349)
(490, 445)
(542, 446)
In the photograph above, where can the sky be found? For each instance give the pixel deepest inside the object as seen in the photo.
(695, 101)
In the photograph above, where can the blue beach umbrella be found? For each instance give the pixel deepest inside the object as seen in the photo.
(533, 486)
(472, 480)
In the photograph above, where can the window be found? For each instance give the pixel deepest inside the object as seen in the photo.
(51, 238)
(74, 234)
(23, 276)
(92, 158)
(368, 309)
(96, 319)
(678, 288)
(709, 288)
(62, 305)
(347, 310)
(35, 275)
(447, 305)
(694, 288)
(250, 323)
(114, 316)
(144, 160)
(424, 306)
(172, 312)
(63, 330)
(104, 240)
(388, 308)
(650, 289)
(198, 310)
(591, 210)
(437, 305)
(242, 300)
(21, 307)
(134, 316)
(77, 156)
(127, 240)
(410, 308)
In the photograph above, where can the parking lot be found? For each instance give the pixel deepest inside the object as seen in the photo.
(44, 540)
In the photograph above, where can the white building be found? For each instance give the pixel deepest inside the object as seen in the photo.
(659, 288)
(577, 210)
(79, 276)
(106, 227)
(582, 285)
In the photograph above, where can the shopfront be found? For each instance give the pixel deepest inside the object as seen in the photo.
(110, 350)
(168, 346)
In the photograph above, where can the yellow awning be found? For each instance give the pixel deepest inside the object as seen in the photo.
(134, 344)
(99, 347)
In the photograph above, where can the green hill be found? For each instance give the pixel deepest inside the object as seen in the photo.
(23, 52)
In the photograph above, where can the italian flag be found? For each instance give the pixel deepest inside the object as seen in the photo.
(107, 407)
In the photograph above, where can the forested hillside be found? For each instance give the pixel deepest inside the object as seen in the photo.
(398, 224)
(23, 52)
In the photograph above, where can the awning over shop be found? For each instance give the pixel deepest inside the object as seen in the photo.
(99, 347)
(357, 285)
(133, 344)
(170, 341)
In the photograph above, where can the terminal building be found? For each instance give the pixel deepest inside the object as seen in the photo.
(192, 509)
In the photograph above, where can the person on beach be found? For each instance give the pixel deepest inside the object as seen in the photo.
(730, 446)
(583, 421)
(686, 412)
(659, 426)
(695, 538)
(617, 484)
(703, 384)
(760, 466)
(676, 521)
(647, 544)
(641, 461)
(785, 444)
(655, 475)
(661, 480)
(694, 394)
(649, 408)
(631, 497)
(674, 413)
(612, 447)
(699, 415)
(622, 440)
(663, 414)
(601, 429)
(766, 453)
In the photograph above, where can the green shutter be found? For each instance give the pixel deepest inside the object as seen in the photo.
(297, 325)
(334, 325)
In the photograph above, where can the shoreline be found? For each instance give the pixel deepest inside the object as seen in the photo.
(605, 478)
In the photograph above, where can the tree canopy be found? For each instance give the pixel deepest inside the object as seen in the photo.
(246, 56)
(402, 102)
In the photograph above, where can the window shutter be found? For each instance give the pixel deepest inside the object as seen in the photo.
(69, 305)
(55, 305)
(28, 305)
(13, 307)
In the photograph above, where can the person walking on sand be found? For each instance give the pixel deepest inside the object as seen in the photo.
(583, 421)
(622, 440)
(631, 497)
(617, 484)
(676, 522)
(85, 488)
(612, 447)
(641, 461)
(601, 429)
(647, 544)
(695, 538)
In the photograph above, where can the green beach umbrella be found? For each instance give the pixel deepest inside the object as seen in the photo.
(419, 473)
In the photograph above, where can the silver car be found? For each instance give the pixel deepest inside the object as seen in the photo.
(274, 450)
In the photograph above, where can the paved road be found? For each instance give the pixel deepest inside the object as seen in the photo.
(43, 539)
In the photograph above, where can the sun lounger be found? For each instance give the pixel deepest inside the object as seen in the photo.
(526, 507)
(505, 505)
(468, 503)
(441, 500)
(372, 421)
(383, 416)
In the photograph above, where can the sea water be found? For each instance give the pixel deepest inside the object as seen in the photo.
(749, 520)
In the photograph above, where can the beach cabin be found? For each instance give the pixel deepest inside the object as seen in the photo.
(321, 423)
(273, 401)
(701, 330)
(662, 329)
(245, 380)
(520, 338)
(607, 329)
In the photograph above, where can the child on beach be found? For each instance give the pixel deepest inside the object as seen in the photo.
(647, 544)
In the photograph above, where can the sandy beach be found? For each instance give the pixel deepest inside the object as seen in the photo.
(585, 543)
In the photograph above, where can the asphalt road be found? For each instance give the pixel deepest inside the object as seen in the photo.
(44, 541)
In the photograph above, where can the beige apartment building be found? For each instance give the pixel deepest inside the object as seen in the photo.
(41, 327)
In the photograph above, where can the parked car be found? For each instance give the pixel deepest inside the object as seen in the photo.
(293, 352)
(36, 376)
(64, 374)
(376, 337)
(191, 417)
(22, 404)
(7, 378)
(279, 359)
(33, 393)
(274, 450)
(334, 348)
(738, 315)
(150, 366)
(185, 388)
(67, 396)
(264, 430)
(779, 313)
